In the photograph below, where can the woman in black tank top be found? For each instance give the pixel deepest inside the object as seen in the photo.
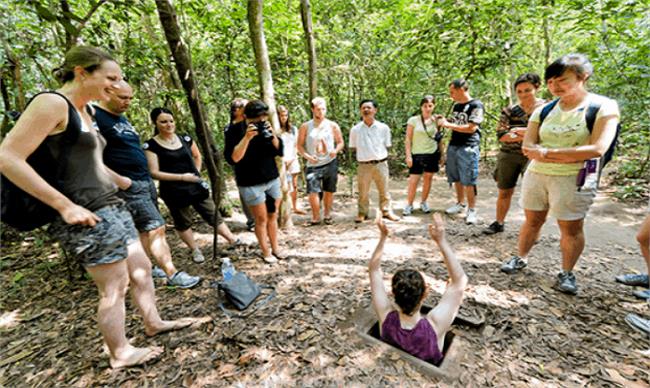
(175, 161)
(93, 224)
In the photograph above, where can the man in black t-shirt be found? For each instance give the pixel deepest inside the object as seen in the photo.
(251, 147)
(463, 151)
(123, 154)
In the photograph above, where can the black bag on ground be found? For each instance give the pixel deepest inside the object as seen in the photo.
(21, 210)
(240, 290)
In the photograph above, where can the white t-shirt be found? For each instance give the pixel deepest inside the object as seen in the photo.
(289, 144)
(565, 129)
(371, 142)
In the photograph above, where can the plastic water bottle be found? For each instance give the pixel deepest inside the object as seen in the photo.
(227, 269)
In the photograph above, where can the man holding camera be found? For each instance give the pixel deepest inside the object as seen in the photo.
(251, 147)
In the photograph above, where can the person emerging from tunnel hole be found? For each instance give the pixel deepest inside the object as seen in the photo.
(404, 326)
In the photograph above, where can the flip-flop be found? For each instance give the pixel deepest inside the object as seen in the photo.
(281, 255)
(328, 220)
(313, 223)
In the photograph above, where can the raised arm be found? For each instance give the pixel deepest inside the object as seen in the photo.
(444, 313)
(47, 114)
(379, 298)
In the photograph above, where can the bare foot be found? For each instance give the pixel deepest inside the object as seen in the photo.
(300, 212)
(178, 324)
(136, 356)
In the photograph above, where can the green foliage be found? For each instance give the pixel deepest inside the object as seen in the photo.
(391, 50)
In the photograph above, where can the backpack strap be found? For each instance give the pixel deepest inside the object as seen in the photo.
(590, 116)
(547, 109)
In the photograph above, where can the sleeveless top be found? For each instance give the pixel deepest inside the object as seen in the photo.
(319, 142)
(85, 181)
(176, 194)
(420, 341)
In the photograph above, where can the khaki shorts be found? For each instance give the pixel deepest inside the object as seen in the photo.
(557, 194)
(509, 167)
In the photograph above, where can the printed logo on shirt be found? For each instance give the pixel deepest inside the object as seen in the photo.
(123, 128)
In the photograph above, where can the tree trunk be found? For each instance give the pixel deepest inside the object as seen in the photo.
(4, 128)
(262, 63)
(13, 64)
(305, 13)
(183, 62)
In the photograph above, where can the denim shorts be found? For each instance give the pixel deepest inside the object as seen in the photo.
(462, 164)
(428, 163)
(322, 178)
(105, 243)
(255, 195)
(142, 202)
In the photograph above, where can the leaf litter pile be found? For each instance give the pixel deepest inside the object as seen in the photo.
(305, 336)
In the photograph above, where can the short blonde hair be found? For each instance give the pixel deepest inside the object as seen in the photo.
(318, 101)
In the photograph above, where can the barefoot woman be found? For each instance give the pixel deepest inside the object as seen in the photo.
(94, 224)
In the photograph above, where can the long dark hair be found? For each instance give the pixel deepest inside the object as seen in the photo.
(408, 288)
(155, 112)
(287, 126)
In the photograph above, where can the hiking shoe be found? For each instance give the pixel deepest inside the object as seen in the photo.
(197, 256)
(425, 208)
(513, 265)
(566, 282)
(270, 259)
(408, 209)
(494, 228)
(633, 279)
(457, 208)
(471, 217)
(158, 273)
(637, 323)
(645, 294)
(182, 279)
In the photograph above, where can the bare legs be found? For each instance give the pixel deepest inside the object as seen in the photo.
(572, 242)
(112, 281)
(503, 204)
(643, 237)
(266, 228)
(413, 181)
(530, 230)
(314, 203)
(156, 246)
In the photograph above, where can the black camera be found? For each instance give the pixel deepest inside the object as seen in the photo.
(264, 129)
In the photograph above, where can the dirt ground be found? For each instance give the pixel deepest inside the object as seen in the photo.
(533, 335)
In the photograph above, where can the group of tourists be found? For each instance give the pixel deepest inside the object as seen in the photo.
(110, 220)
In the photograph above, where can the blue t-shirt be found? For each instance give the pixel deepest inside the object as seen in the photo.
(123, 153)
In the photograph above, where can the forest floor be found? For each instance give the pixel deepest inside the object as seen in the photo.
(533, 335)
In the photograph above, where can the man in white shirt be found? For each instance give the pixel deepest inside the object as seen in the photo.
(371, 139)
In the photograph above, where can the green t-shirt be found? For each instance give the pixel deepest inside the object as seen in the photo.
(423, 142)
(566, 129)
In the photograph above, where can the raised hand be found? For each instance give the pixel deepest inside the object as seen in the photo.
(437, 228)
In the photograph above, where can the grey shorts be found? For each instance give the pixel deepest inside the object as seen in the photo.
(142, 202)
(322, 178)
(462, 164)
(105, 243)
(255, 195)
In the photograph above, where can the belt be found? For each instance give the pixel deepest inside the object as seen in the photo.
(374, 161)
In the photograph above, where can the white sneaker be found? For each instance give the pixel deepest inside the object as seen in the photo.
(408, 209)
(471, 217)
(457, 208)
(425, 208)
(197, 256)
(271, 259)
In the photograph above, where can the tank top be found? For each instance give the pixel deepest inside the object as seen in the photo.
(176, 194)
(420, 341)
(85, 181)
(320, 143)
